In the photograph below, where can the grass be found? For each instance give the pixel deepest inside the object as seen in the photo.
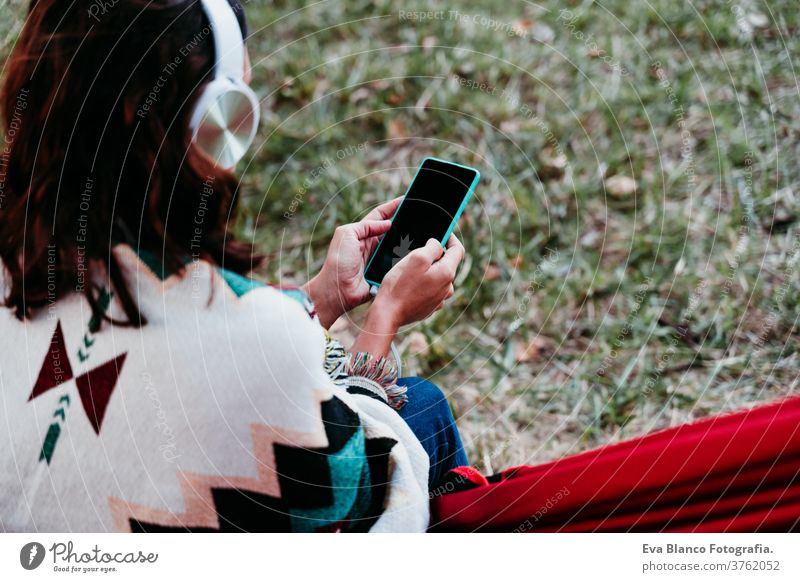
(591, 307)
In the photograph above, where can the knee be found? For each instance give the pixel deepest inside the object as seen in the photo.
(425, 394)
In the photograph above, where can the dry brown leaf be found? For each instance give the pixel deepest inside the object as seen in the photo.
(397, 129)
(360, 94)
(620, 185)
(758, 20)
(492, 272)
(510, 126)
(522, 26)
(530, 352)
(553, 163)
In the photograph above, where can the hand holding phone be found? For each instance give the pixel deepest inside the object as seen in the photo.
(413, 270)
(421, 282)
(430, 209)
(416, 287)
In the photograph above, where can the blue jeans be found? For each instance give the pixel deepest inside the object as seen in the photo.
(428, 415)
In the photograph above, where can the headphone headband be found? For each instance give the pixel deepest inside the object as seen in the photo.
(228, 41)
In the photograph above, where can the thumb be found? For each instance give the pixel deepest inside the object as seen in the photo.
(431, 252)
(370, 228)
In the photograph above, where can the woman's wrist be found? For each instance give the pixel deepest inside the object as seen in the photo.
(325, 302)
(378, 331)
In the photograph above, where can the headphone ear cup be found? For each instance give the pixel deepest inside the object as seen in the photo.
(225, 121)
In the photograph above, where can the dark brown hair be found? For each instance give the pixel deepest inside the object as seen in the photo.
(96, 105)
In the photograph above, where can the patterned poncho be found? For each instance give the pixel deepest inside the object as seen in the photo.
(231, 410)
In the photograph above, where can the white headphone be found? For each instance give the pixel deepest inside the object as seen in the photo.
(225, 118)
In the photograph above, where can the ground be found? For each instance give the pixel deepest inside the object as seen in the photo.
(633, 246)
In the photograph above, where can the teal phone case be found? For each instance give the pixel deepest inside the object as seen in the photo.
(455, 218)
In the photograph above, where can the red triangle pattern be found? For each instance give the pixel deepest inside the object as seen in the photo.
(56, 368)
(95, 388)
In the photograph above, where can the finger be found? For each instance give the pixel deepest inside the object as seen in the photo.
(430, 252)
(452, 257)
(450, 291)
(454, 242)
(371, 228)
(385, 210)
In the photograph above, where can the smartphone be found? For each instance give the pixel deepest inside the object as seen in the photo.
(430, 209)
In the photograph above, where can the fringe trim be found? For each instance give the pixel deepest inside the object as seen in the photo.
(382, 371)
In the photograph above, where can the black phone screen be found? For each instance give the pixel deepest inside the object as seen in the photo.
(427, 211)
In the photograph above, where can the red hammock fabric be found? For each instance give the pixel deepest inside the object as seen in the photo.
(737, 472)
